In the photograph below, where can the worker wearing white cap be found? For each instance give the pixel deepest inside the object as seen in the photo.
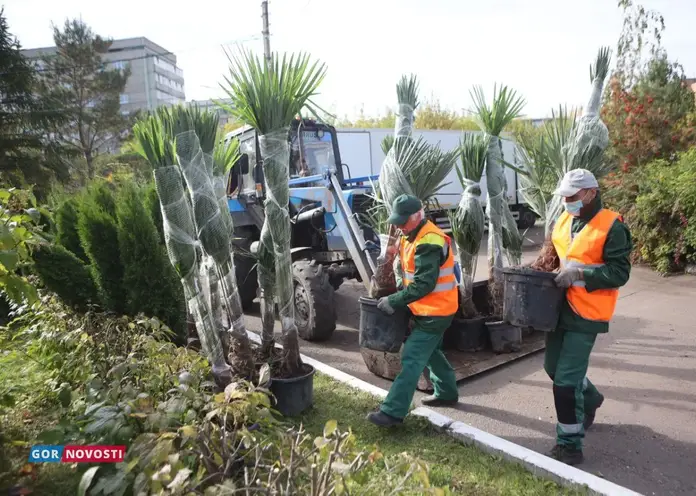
(593, 246)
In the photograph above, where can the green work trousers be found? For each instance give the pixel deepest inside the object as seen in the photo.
(566, 361)
(422, 349)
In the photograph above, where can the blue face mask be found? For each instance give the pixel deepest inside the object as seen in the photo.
(573, 208)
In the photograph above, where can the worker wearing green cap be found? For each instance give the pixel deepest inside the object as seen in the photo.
(425, 272)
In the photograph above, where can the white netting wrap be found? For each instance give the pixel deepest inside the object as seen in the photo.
(214, 229)
(275, 152)
(468, 225)
(180, 239)
(403, 125)
(495, 203)
(392, 184)
(584, 150)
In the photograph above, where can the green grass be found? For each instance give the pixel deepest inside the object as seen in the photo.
(21, 424)
(465, 469)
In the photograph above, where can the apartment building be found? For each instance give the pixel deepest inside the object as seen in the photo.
(213, 105)
(155, 78)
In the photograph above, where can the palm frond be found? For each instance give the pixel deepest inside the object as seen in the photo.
(181, 119)
(225, 155)
(600, 69)
(387, 143)
(473, 148)
(153, 143)
(407, 91)
(427, 178)
(506, 107)
(268, 95)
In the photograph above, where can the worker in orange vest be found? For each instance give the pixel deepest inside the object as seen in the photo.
(425, 271)
(593, 246)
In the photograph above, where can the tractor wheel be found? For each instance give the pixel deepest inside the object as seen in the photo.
(245, 269)
(315, 310)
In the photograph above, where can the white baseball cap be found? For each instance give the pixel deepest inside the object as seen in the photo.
(574, 181)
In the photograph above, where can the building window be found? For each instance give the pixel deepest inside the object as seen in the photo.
(165, 65)
(123, 99)
(120, 65)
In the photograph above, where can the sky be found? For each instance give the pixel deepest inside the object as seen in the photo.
(540, 48)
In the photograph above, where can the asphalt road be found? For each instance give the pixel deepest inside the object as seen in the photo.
(645, 434)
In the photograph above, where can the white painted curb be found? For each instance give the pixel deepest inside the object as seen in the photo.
(536, 463)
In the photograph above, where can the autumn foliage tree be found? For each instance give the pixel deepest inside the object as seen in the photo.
(652, 119)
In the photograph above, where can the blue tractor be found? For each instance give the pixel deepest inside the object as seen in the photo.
(331, 241)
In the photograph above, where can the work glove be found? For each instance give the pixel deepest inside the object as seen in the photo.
(567, 277)
(383, 304)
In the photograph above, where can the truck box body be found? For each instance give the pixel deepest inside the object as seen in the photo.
(361, 151)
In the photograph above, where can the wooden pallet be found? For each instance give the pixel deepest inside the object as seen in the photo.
(465, 364)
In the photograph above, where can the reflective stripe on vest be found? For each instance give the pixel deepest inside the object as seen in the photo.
(586, 250)
(444, 299)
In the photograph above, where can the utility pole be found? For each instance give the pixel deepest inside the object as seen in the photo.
(266, 33)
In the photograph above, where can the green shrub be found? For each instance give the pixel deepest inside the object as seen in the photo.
(64, 274)
(153, 206)
(66, 224)
(149, 280)
(99, 237)
(102, 192)
(117, 381)
(658, 201)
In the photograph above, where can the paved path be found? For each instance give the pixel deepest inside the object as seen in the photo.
(645, 434)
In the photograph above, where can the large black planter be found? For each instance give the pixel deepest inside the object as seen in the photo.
(295, 395)
(532, 298)
(466, 334)
(379, 331)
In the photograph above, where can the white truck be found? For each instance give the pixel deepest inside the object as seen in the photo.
(362, 155)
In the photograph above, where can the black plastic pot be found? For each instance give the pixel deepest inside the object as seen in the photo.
(505, 337)
(379, 331)
(531, 298)
(466, 334)
(293, 396)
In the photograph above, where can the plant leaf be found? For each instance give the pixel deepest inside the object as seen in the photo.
(330, 428)
(86, 481)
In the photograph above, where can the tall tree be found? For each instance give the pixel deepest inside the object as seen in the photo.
(27, 155)
(76, 80)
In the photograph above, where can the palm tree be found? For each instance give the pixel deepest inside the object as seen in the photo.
(503, 236)
(267, 95)
(565, 144)
(413, 167)
(468, 220)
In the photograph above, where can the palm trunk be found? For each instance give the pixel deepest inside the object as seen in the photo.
(495, 207)
(180, 238)
(275, 154)
(265, 270)
(213, 229)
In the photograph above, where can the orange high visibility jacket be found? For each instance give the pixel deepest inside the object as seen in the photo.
(443, 301)
(586, 251)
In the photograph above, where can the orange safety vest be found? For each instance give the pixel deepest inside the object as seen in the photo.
(443, 301)
(586, 250)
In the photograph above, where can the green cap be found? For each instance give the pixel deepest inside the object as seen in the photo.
(403, 207)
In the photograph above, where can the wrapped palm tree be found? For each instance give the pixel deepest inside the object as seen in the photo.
(268, 95)
(468, 220)
(565, 144)
(503, 236)
(589, 137)
(214, 229)
(180, 237)
(413, 167)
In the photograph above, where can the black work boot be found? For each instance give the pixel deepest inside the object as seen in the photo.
(590, 415)
(433, 400)
(381, 419)
(566, 454)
